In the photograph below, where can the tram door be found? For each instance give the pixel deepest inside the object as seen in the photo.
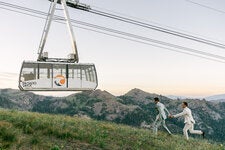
(60, 76)
(74, 76)
(44, 76)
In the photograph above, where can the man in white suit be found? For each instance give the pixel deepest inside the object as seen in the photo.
(161, 117)
(188, 120)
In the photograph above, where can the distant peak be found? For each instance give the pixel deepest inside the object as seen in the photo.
(102, 94)
(140, 95)
(137, 91)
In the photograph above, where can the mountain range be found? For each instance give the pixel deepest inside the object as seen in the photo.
(132, 108)
(214, 98)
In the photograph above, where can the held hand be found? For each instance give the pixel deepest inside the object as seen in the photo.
(171, 116)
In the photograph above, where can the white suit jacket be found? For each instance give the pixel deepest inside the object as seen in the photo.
(188, 118)
(161, 109)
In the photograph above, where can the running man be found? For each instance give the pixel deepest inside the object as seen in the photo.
(161, 117)
(188, 121)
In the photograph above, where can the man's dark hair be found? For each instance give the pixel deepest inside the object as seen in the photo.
(185, 103)
(156, 99)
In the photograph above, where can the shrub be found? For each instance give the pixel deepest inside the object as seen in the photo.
(7, 132)
(55, 147)
(35, 140)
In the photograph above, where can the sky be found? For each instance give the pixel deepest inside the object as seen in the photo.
(123, 65)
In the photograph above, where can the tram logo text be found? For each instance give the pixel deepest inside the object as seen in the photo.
(59, 80)
(29, 84)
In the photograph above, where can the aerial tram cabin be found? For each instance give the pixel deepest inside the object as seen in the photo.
(45, 76)
(57, 74)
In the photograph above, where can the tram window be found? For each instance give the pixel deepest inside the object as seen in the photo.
(29, 72)
(91, 74)
(74, 72)
(83, 74)
(45, 71)
(94, 74)
(59, 70)
(86, 73)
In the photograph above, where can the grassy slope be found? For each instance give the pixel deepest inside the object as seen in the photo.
(26, 130)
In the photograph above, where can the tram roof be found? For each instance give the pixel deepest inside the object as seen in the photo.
(63, 63)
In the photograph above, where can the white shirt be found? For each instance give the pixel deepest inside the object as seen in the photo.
(188, 118)
(161, 109)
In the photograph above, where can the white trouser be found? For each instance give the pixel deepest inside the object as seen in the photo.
(158, 122)
(190, 127)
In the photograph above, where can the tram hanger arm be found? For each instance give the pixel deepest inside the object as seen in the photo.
(47, 28)
(70, 28)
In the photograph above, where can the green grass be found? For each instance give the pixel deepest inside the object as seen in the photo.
(26, 130)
